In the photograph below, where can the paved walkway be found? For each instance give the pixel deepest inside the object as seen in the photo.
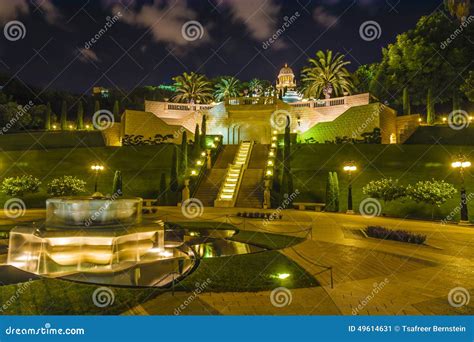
(370, 276)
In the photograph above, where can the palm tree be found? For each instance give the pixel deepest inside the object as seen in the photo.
(227, 86)
(326, 74)
(192, 88)
(255, 86)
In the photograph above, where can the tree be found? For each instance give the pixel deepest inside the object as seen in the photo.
(468, 86)
(163, 196)
(96, 106)
(203, 136)
(326, 75)
(183, 165)
(196, 143)
(287, 177)
(174, 170)
(256, 86)
(64, 116)
(116, 111)
(193, 88)
(47, 118)
(332, 192)
(80, 116)
(227, 86)
(363, 76)
(385, 189)
(456, 101)
(433, 192)
(458, 8)
(12, 116)
(66, 186)
(20, 186)
(406, 102)
(430, 110)
(117, 184)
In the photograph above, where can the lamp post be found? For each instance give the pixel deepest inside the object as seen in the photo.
(462, 163)
(349, 167)
(96, 168)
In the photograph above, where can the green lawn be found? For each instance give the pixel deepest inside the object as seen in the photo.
(141, 168)
(408, 163)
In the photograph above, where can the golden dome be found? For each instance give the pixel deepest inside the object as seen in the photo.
(286, 70)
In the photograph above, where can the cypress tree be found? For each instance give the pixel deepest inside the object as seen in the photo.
(406, 102)
(203, 133)
(174, 171)
(430, 110)
(183, 167)
(287, 178)
(116, 111)
(335, 182)
(117, 185)
(163, 197)
(47, 119)
(80, 116)
(456, 101)
(64, 116)
(96, 106)
(197, 143)
(329, 193)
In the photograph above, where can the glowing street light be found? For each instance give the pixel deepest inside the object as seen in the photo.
(462, 163)
(203, 154)
(199, 162)
(97, 168)
(269, 172)
(193, 173)
(270, 163)
(349, 167)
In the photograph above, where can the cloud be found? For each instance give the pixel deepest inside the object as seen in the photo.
(10, 10)
(259, 16)
(324, 18)
(165, 21)
(50, 12)
(88, 56)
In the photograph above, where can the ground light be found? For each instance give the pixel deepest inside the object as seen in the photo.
(349, 167)
(281, 276)
(462, 163)
(193, 172)
(203, 154)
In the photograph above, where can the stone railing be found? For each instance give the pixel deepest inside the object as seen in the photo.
(351, 100)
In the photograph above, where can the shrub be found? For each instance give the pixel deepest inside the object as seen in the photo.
(66, 186)
(386, 189)
(19, 186)
(431, 192)
(396, 235)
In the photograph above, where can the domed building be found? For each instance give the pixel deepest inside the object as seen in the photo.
(285, 81)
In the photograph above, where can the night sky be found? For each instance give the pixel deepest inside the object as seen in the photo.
(145, 44)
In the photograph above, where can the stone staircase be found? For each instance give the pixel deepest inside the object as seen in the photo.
(229, 189)
(251, 188)
(210, 185)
